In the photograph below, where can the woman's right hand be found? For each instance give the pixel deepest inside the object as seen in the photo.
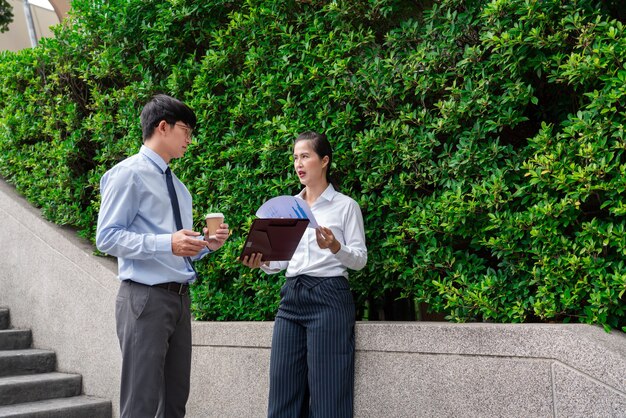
(253, 261)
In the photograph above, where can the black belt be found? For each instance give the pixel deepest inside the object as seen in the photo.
(180, 288)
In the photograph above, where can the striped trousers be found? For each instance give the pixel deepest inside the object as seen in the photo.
(312, 357)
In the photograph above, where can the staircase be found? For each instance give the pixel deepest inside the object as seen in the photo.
(30, 387)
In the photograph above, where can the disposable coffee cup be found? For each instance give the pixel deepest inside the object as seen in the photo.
(213, 222)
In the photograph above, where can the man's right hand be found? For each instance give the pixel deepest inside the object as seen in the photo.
(185, 243)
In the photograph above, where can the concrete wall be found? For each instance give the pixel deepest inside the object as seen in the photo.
(54, 285)
(17, 37)
(61, 7)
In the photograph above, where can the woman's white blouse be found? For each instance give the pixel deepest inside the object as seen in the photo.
(343, 216)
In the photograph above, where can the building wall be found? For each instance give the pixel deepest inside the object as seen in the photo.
(61, 7)
(17, 38)
(54, 285)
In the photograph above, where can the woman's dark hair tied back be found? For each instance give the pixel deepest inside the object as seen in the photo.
(322, 148)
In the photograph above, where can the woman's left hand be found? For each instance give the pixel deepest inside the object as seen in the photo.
(326, 239)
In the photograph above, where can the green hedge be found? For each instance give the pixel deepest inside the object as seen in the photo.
(6, 15)
(484, 141)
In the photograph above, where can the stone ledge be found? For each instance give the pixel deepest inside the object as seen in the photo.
(587, 349)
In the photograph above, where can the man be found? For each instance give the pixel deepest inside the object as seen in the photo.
(145, 221)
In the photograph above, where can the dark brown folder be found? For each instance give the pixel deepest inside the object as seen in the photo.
(275, 238)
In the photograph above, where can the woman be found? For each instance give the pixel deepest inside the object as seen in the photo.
(312, 357)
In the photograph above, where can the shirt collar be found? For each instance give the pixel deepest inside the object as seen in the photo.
(154, 158)
(328, 194)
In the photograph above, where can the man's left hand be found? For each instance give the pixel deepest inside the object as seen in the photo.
(221, 235)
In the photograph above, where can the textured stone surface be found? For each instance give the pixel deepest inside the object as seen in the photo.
(586, 348)
(13, 339)
(427, 369)
(424, 385)
(54, 285)
(579, 395)
(5, 318)
(220, 334)
(74, 407)
(229, 382)
(29, 388)
(29, 361)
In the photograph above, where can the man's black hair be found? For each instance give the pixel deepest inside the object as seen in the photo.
(163, 107)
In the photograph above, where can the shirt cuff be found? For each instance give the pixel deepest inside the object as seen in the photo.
(164, 243)
(206, 250)
(343, 254)
(269, 269)
(201, 254)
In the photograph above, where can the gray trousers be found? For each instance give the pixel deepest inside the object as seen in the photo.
(312, 357)
(154, 330)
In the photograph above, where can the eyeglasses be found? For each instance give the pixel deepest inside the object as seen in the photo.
(188, 130)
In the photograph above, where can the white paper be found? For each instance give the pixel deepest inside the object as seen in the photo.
(287, 207)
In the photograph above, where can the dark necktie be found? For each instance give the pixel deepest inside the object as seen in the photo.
(173, 199)
(175, 207)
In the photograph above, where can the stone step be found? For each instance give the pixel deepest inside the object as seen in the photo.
(37, 387)
(74, 407)
(28, 361)
(5, 318)
(15, 339)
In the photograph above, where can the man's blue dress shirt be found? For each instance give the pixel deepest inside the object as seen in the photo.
(136, 221)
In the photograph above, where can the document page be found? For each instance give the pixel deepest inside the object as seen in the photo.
(291, 207)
